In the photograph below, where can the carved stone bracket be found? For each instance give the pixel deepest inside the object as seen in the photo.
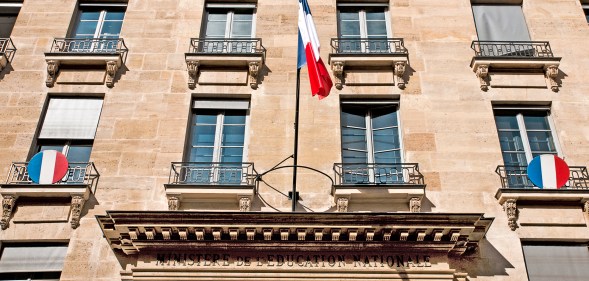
(551, 74)
(415, 205)
(244, 204)
(173, 203)
(338, 71)
(192, 73)
(342, 204)
(111, 70)
(254, 68)
(400, 72)
(77, 206)
(52, 69)
(8, 202)
(510, 208)
(483, 74)
(586, 207)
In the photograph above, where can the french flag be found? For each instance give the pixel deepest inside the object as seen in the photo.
(548, 171)
(47, 167)
(309, 46)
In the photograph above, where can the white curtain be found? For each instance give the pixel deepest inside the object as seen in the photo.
(562, 263)
(69, 118)
(500, 23)
(32, 258)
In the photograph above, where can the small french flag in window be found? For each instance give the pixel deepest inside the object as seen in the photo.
(47, 167)
(548, 171)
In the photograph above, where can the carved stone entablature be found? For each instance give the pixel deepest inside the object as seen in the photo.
(551, 74)
(400, 72)
(254, 67)
(111, 70)
(415, 205)
(482, 72)
(342, 204)
(77, 206)
(8, 202)
(244, 204)
(510, 208)
(52, 69)
(152, 230)
(192, 73)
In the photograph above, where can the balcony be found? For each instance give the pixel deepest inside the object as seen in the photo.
(233, 183)
(80, 181)
(378, 183)
(108, 53)
(225, 53)
(514, 57)
(7, 51)
(388, 53)
(516, 188)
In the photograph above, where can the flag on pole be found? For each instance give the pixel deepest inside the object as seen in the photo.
(309, 53)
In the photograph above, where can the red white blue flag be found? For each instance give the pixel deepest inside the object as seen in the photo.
(548, 171)
(309, 53)
(47, 167)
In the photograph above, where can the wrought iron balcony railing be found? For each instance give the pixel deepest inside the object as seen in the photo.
(89, 46)
(212, 173)
(82, 173)
(368, 46)
(517, 177)
(377, 174)
(229, 46)
(512, 49)
(7, 48)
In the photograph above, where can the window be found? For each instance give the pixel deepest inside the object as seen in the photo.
(32, 261)
(524, 134)
(564, 262)
(69, 126)
(586, 11)
(361, 26)
(370, 143)
(500, 23)
(228, 28)
(8, 14)
(97, 21)
(216, 141)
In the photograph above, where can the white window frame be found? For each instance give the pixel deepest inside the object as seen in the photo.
(101, 17)
(362, 17)
(230, 13)
(524, 132)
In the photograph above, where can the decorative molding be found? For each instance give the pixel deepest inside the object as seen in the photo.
(338, 71)
(510, 207)
(551, 74)
(52, 69)
(400, 72)
(254, 67)
(244, 204)
(192, 73)
(111, 70)
(482, 72)
(342, 204)
(173, 203)
(8, 202)
(415, 205)
(77, 206)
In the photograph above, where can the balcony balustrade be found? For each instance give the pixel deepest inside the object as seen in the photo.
(197, 181)
(89, 46)
(374, 183)
(7, 51)
(513, 49)
(376, 53)
(225, 53)
(517, 177)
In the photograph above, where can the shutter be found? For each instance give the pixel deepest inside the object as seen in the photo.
(500, 23)
(556, 262)
(71, 119)
(32, 258)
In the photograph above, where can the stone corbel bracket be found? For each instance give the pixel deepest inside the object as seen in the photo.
(55, 61)
(8, 202)
(400, 72)
(192, 73)
(484, 68)
(194, 64)
(338, 65)
(112, 67)
(510, 208)
(551, 74)
(338, 72)
(482, 72)
(78, 201)
(52, 69)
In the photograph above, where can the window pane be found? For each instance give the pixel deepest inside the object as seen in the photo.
(86, 28)
(51, 147)
(384, 117)
(111, 29)
(354, 157)
(234, 117)
(203, 135)
(385, 139)
(231, 155)
(243, 16)
(216, 29)
(354, 139)
(86, 15)
(201, 154)
(241, 29)
(350, 28)
(536, 122)
(388, 157)
(511, 141)
(6, 25)
(541, 142)
(349, 15)
(377, 28)
(217, 16)
(506, 122)
(353, 117)
(233, 135)
(206, 118)
(515, 159)
(114, 15)
(79, 153)
(375, 15)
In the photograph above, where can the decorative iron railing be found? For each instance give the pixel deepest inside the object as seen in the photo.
(517, 177)
(378, 174)
(212, 173)
(226, 46)
(89, 46)
(512, 49)
(368, 46)
(82, 173)
(7, 48)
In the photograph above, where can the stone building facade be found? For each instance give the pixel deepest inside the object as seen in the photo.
(177, 118)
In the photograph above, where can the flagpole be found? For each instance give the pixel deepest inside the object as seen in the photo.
(296, 143)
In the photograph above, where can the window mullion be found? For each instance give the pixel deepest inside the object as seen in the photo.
(229, 24)
(524, 135)
(369, 139)
(100, 24)
(218, 137)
